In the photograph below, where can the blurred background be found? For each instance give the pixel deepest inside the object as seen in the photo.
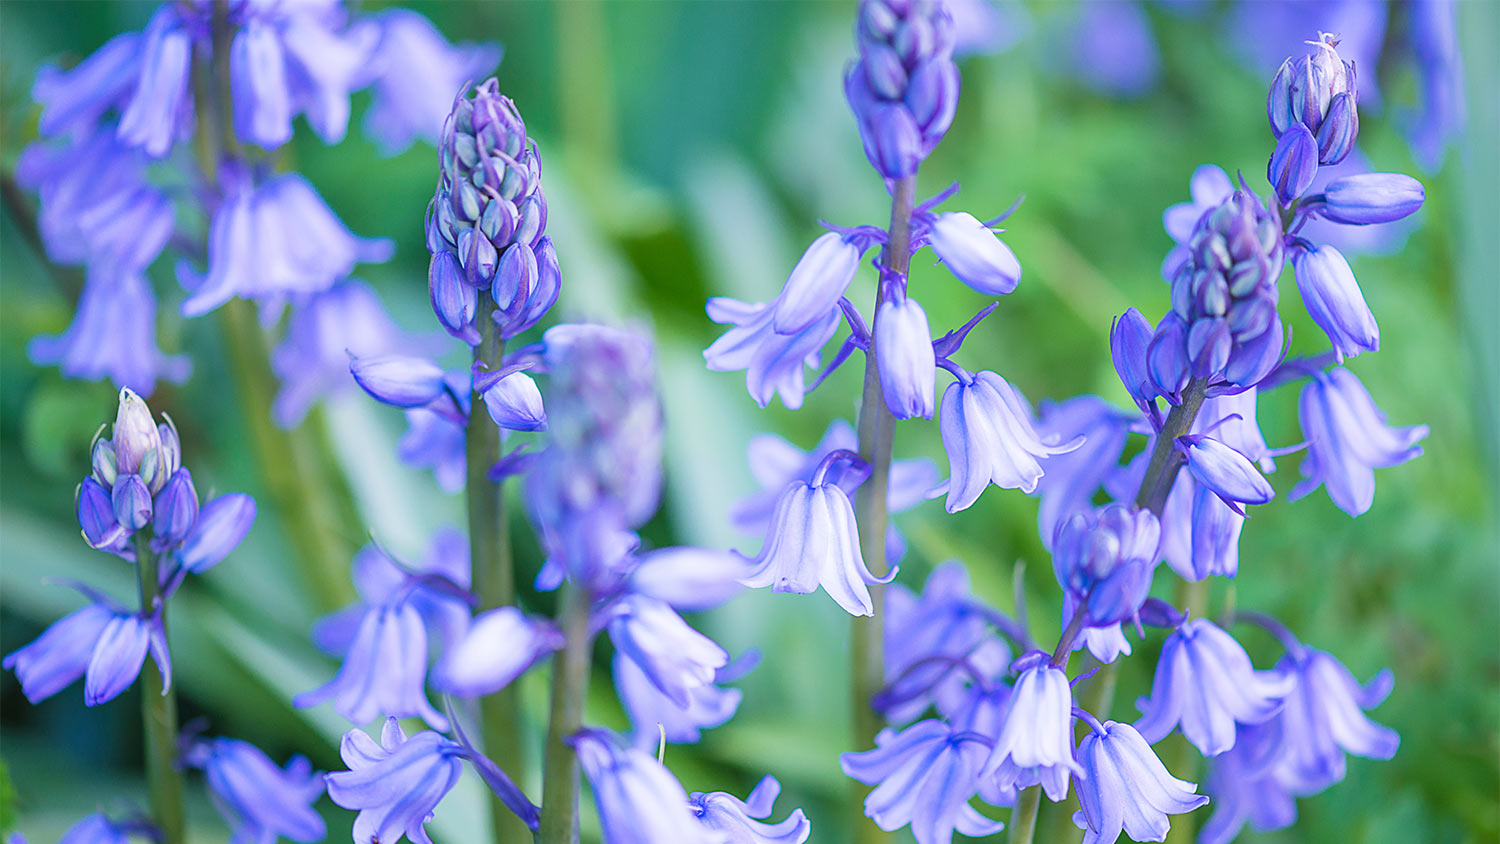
(690, 150)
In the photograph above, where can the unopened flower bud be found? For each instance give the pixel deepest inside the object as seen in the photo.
(132, 502)
(904, 358)
(135, 433)
(1294, 164)
(1371, 198)
(816, 283)
(972, 252)
(1334, 300)
(1340, 128)
(103, 462)
(175, 509)
(171, 446)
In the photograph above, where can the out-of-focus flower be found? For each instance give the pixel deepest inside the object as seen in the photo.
(259, 800)
(741, 820)
(394, 785)
(924, 777)
(1347, 439)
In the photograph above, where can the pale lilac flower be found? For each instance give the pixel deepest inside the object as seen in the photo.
(1323, 720)
(928, 637)
(905, 359)
(1228, 473)
(1104, 560)
(384, 671)
(772, 362)
(160, 110)
(639, 801)
(1347, 439)
(817, 282)
(221, 525)
(260, 801)
(925, 776)
(742, 820)
(676, 658)
(500, 645)
(988, 436)
(1335, 302)
(61, 654)
(1035, 741)
(651, 709)
(971, 251)
(1125, 788)
(1244, 787)
(395, 785)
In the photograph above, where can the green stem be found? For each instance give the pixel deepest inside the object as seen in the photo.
(876, 433)
(159, 715)
(1023, 816)
(494, 577)
(1166, 460)
(570, 681)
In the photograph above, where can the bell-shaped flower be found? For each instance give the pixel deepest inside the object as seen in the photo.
(988, 435)
(1335, 302)
(772, 362)
(1129, 337)
(1125, 788)
(1209, 187)
(650, 709)
(259, 800)
(271, 241)
(1347, 439)
(639, 800)
(160, 110)
(813, 541)
(904, 358)
(1104, 560)
(1228, 473)
(1367, 198)
(690, 579)
(1323, 720)
(925, 776)
(394, 785)
(220, 527)
(928, 638)
(1244, 786)
(385, 670)
(816, 283)
(500, 645)
(674, 657)
(73, 100)
(435, 441)
(515, 403)
(1205, 681)
(119, 654)
(972, 252)
(742, 821)
(1105, 643)
(1200, 533)
(416, 71)
(433, 584)
(1035, 742)
(61, 654)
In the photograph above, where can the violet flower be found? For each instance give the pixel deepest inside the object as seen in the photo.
(926, 637)
(772, 362)
(1323, 720)
(500, 645)
(639, 800)
(814, 288)
(904, 88)
(988, 436)
(1124, 787)
(61, 655)
(1104, 560)
(676, 658)
(971, 251)
(925, 776)
(905, 359)
(1347, 439)
(650, 709)
(1035, 742)
(1244, 786)
(742, 820)
(384, 671)
(260, 801)
(1334, 300)
(395, 785)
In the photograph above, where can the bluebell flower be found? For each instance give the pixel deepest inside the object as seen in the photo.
(113, 335)
(904, 358)
(1105, 642)
(1294, 164)
(904, 88)
(430, 584)
(499, 646)
(1129, 340)
(395, 785)
(813, 541)
(1071, 478)
(435, 441)
(817, 283)
(1347, 439)
(312, 362)
(926, 637)
(416, 72)
(1368, 198)
(73, 101)
(925, 776)
(1264, 34)
(259, 800)
(119, 654)
(639, 801)
(1125, 788)
(772, 362)
(220, 527)
(676, 658)
(1206, 682)
(688, 578)
(399, 380)
(515, 403)
(651, 709)
(1323, 720)
(1112, 50)
(1225, 471)
(742, 820)
(1333, 298)
(160, 110)
(988, 436)
(1200, 533)
(175, 510)
(971, 251)
(1104, 560)
(1317, 91)
(61, 654)
(384, 671)
(271, 240)
(1435, 44)
(1035, 742)
(1209, 186)
(1244, 786)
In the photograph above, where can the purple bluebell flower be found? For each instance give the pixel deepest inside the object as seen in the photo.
(1035, 742)
(1368, 198)
(674, 657)
(1333, 298)
(651, 709)
(434, 441)
(1228, 473)
(1105, 642)
(259, 800)
(926, 637)
(113, 335)
(1244, 787)
(432, 584)
(1200, 533)
(813, 541)
(515, 403)
(1265, 33)
(772, 362)
(1206, 682)
(312, 362)
(1434, 42)
(175, 510)
(1104, 560)
(395, 785)
(926, 775)
(220, 527)
(1323, 719)
(817, 282)
(1294, 164)
(988, 436)
(399, 380)
(1112, 49)
(61, 654)
(639, 800)
(1347, 439)
(1125, 788)
(271, 240)
(73, 101)
(688, 578)
(132, 502)
(499, 646)
(971, 251)
(119, 654)
(904, 358)
(1071, 478)
(904, 88)
(1129, 339)
(416, 72)
(742, 820)
(160, 110)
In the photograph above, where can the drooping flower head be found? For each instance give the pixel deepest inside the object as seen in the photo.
(1323, 719)
(742, 821)
(1035, 740)
(639, 800)
(904, 88)
(925, 776)
(259, 800)
(1125, 788)
(394, 785)
(1347, 439)
(989, 439)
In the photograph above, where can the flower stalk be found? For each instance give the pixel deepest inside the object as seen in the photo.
(570, 681)
(158, 714)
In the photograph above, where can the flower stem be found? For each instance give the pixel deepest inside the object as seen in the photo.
(570, 681)
(494, 576)
(876, 432)
(1166, 460)
(158, 715)
(1023, 816)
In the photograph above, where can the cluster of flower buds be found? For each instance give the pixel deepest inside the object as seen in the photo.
(487, 223)
(904, 88)
(1313, 102)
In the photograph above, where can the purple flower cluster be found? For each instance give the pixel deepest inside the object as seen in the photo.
(904, 88)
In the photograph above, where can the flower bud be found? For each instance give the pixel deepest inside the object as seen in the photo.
(135, 433)
(453, 300)
(904, 358)
(1229, 474)
(171, 447)
(1333, 298)
(816, 283)
(1340, 128)
(1166, 357)
(176, 508)
(220, 527)
(1208, 346)
(515, 403)
(398, 380)
(1371, 198)
(1294, 164)
(132, 502)
(96, 516)
(972, 252)
(1129, 338)
(103, 462)
(1105, 560)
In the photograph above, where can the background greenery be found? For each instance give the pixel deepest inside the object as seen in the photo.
(690, 150)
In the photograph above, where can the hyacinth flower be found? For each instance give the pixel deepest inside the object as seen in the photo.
(925, 776)
(639, 800)
(1124, 787)
(1104, 560)
(1322, 720)
(1035, 742)
(1347, 439)
(742, 821)
(394, 785)
(259, 800)
(1244, 787)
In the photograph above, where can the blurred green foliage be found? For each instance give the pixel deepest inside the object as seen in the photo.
(691, 149)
